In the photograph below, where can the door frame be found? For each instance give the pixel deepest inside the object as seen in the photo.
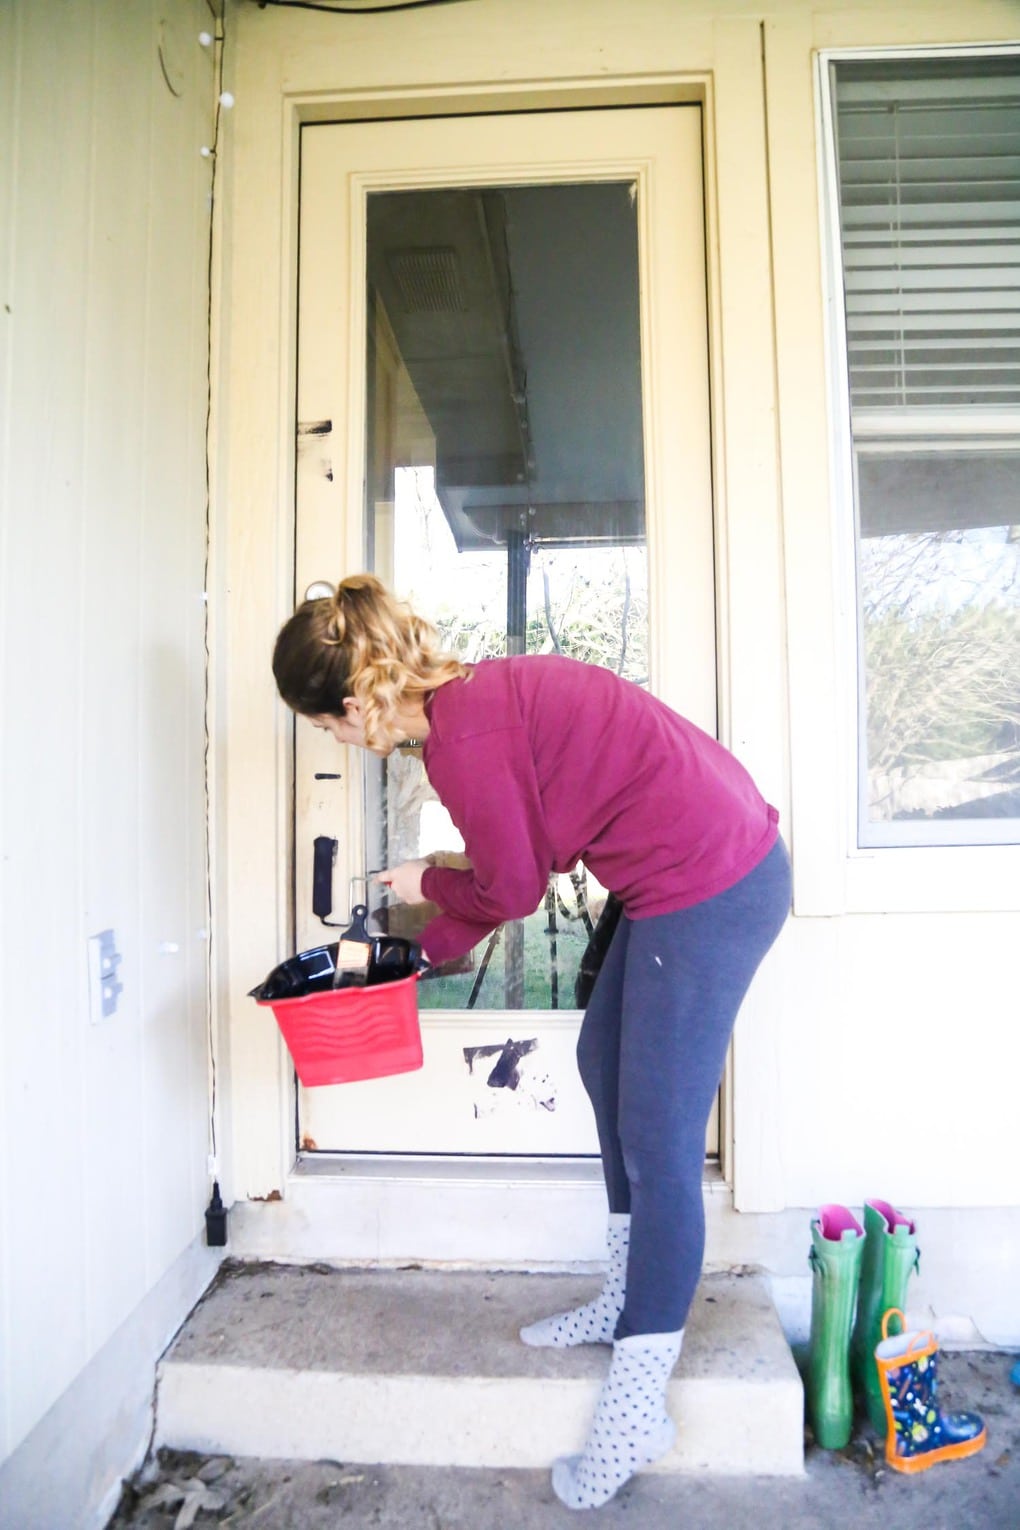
(255, 470)
(660, 151)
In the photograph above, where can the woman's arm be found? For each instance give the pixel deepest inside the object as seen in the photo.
(487, 784)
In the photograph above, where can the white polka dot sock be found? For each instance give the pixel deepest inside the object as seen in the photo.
(595, 1322)
(631, 1427)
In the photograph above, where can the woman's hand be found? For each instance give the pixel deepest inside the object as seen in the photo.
(405, 880)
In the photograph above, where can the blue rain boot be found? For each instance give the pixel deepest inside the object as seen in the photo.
(918, 1434)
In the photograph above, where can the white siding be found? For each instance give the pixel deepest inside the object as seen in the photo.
(105, 215)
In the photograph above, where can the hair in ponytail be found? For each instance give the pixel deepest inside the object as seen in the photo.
(363, 643)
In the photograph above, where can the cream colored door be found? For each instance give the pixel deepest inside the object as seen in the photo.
(503, 411)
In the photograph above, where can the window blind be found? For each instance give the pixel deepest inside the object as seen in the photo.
(929, 189)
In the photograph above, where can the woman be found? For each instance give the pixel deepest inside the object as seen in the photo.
(542, 761)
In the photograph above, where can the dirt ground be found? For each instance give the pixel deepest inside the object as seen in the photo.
(842, 1490)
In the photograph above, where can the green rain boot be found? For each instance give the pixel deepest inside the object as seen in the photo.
(837, 1240)
(890, 1256)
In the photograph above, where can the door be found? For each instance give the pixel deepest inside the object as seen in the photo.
(503, 411)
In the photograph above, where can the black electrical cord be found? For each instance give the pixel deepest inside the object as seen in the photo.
(220, 43)
(354, 10)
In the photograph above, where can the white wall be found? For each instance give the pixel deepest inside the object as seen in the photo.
(104, 218)
(896, 1058)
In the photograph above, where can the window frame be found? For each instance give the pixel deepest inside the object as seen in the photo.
(933, 875)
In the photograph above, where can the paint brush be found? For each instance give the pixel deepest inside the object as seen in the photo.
(352, 959)
(353, 951)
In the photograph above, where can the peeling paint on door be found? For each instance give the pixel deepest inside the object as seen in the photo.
(517, 1079)
(311, 434)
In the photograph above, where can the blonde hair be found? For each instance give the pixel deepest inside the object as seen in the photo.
(361, 642)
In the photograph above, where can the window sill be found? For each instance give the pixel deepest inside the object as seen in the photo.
(933, 879)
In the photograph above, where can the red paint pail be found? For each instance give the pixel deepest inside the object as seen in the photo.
(345, 1034)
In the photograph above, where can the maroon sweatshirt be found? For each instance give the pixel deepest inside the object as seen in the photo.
(543, 761)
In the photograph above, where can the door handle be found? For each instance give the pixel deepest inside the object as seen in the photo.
(323, 861)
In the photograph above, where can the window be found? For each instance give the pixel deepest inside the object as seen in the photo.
(506, 493)
(928, 177)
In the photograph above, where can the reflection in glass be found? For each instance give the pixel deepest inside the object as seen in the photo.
(505, 489)
(939, 593)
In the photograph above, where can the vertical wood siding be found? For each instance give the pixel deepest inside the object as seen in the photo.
(104, 209)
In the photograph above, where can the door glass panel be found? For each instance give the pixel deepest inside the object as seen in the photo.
(505, 491)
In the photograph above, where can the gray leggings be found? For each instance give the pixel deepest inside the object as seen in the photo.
(651, 1054)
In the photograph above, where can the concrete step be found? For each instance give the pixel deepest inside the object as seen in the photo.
(425, 1367)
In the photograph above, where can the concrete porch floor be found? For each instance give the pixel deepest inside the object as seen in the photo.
(844, 1491)
(302, 1397)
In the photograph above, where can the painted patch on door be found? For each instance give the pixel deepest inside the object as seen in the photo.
(310, 435)
(509, 1078)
